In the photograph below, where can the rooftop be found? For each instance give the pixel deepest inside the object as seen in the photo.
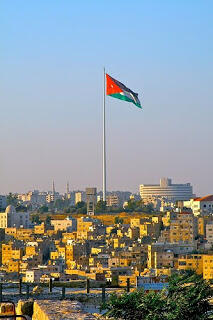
(205, 198)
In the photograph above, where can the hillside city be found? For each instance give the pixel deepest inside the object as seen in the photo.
(164, 229)
(106, 196)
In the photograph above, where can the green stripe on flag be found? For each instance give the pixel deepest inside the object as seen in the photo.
(125, 98)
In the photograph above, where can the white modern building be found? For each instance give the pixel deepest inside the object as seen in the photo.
(167, 190)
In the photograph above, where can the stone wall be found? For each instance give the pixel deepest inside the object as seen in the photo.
(93, 298)
(60, 310)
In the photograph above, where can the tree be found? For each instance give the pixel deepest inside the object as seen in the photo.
(81, 207)
(82, 210)
(136, 305)
(118, 220)
(149, 208)
(61, 204)
(48, 220)
(187, 297)
(101, 206)
(67, 210)
(43, 209)
(12, 199)
(80, 204)
(21, 208)
(131, 205)
(36, 219)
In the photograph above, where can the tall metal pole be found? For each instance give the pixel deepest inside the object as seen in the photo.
(104, 140)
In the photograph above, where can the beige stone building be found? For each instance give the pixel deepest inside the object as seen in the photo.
(112, 200)
(209, 232)
(78, 197)
(183, 227)
(64, 225)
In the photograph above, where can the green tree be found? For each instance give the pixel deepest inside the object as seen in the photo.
(82, 210)
(149, 208)
(36, 219)
(80, 204)
(118, 220)
(43, 209)
(101, 206)
(81, 207)
(131, 205)
(138, 206)
(21, 208)
(48, 220)
(187, 297)
(67, 210)
(61, 204)
(12, 199)
(136, 305)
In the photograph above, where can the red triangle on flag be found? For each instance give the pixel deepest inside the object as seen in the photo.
(111, 86)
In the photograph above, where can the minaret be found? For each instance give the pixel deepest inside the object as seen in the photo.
(53, 188)
(68, 188)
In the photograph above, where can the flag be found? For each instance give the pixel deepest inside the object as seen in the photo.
(118, 90)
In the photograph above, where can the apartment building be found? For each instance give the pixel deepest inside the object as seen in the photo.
(69, 224)
(168, 251)
(78, 197)
(209, 232)
(191, 262)
(112, 200)
(200, 206)
(183, 227)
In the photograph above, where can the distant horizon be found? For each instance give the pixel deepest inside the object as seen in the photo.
(98, 190)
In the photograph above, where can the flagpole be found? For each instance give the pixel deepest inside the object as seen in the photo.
(104, 139)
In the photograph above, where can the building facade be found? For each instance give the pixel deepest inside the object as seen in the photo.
(166, 190)
(78, 197)
(11, 218)
(209, 232)
(200, 206)
(91, 196)
(112, 200)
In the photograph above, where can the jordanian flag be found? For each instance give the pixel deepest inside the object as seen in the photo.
(118, 90)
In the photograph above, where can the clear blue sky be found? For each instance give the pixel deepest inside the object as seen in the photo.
(52, 55)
